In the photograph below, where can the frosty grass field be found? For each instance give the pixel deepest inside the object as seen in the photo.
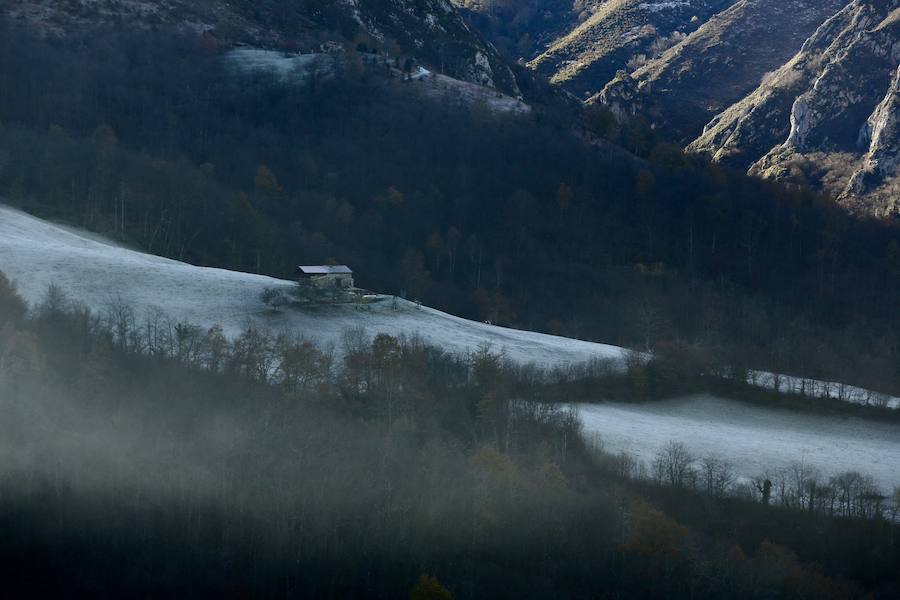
(753, 439)
(99, 274)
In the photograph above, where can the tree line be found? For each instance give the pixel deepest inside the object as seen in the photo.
(160, 457)
(540, 221)
(799, 486)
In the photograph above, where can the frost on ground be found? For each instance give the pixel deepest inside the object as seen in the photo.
(754, 439)
(443, 88)
(295, 68)
(821, 389)
(99, 274)
(661, 6)
(301, 68)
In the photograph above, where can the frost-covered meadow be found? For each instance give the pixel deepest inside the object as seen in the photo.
(100, 274)
(754, 439)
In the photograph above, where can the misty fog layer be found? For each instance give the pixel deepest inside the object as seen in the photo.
(206, 465)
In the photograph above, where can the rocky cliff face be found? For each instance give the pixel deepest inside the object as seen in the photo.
(717, 65)
(828, 117)
(436, 34)
(875, 185)
(432, 31)
(617, 34)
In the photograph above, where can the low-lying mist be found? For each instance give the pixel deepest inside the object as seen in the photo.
(263, 466)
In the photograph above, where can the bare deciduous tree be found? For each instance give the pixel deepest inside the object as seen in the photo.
(674, 465)
(717, 476)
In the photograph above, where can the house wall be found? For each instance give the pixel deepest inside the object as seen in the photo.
(340, 280)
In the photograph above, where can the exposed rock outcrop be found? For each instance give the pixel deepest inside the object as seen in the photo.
(435, 32)
(616, 34)
(824, 118)
(875, 186)
(622, 96)
(720, 63)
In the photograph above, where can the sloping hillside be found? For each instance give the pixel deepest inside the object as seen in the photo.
(795, 91)
(431, 31)
(110, 279)
(828, 117)
(104, 277)
(419, 83)
(618, 34)
(717, 65)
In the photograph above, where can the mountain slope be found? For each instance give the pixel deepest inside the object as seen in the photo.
(717, 65)
(431, 31)
(798, 91)
(617, 33)
(828, 116)
(877, 180)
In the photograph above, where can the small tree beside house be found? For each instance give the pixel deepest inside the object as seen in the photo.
(277, 298)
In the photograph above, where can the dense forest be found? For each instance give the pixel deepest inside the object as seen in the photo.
(551, 221)
(169, 461)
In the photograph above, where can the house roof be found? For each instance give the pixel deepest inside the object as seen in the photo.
(325, 270)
